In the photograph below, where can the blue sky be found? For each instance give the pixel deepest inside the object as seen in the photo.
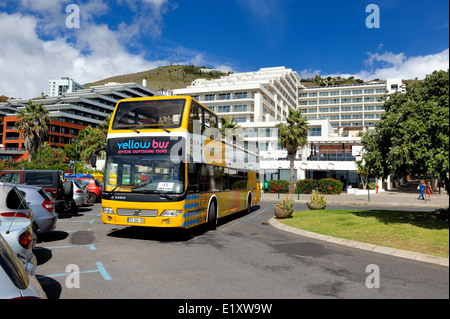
(311, 37)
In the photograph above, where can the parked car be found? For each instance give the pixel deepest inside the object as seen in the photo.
(16, 220)
(43, 208)
(51, 180)
(94, 186)
(78, 194)
(15, 281)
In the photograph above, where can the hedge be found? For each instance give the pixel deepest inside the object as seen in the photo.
(328, 186)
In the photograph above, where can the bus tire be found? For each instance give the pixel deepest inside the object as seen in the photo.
(212, 215)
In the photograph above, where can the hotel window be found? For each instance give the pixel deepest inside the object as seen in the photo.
(369, 116)
(357, 108)
(312, 110)
(323, 94)
(346, 100)
(315, 131)
(223, 109)
(324, 102)
(313, 94)
(381, 91)
(240, 95)
(312, 102)
(357, 117)
(210, 97)
(302, 103)
(347, 92)
(240, 108)
(334, 118)
(369, 107)
(357, 100)
(356, 92)
(334, 109)
(334, 93)
(334, 101)
(323, 109)
(369, 91)
(224, 96)
(346, 117)
(346, 109)
(369, 99)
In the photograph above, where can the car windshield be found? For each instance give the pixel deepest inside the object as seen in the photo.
(143, 166)
(149, 114)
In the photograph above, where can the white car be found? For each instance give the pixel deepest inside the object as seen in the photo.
(15, 281)
(16, 220)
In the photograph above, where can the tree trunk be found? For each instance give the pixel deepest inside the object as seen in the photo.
(292, 180)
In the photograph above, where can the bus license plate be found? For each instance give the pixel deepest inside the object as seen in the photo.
(136, 220)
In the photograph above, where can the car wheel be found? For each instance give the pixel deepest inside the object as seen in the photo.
(92, 198)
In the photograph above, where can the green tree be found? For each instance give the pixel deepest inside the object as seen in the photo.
(32, 122)
(89, 140)
(412, 136)
(292, 136)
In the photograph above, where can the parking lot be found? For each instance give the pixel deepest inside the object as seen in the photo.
(86, 259)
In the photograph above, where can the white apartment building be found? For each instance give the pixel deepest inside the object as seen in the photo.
(358, 105)
(260, 100)
(62, 86)
(265, 95)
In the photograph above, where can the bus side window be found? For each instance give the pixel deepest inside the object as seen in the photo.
(193, 177)
(194, 115)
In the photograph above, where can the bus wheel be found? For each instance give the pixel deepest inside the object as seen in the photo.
(212, 216)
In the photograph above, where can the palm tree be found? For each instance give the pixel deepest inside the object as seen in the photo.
(293, 136)
(228, 123)
(90, 139)
(32, 122)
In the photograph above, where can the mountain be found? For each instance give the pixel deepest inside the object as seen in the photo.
(164, 78)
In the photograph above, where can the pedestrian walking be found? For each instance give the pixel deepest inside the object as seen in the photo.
(421, 188)
(428, 190)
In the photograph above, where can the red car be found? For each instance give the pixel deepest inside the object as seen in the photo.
(95, 188)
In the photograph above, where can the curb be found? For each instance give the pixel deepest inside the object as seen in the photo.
(364, 246)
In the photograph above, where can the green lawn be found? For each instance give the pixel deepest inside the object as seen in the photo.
(414, 231)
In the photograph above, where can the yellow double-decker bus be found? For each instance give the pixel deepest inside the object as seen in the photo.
(167, 165)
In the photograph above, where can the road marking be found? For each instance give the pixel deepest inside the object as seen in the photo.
(100, 268)
(91, 246)
(76, 221)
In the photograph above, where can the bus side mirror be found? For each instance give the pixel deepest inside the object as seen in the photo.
(94, 160)
(94, 156)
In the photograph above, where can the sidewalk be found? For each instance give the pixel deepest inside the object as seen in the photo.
(386, 198)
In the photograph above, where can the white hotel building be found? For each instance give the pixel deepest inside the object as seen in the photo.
(260, 100)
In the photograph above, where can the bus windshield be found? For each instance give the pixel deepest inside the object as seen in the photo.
(149, 114)
(144, 165)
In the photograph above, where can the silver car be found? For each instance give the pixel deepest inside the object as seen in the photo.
(42, 204)
(16, 220)
(76, 195)
(15, 281)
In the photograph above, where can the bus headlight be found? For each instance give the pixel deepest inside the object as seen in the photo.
(171, 213)
(108, 210)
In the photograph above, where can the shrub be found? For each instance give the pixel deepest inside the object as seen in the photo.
(281, 186)
(326, 186)
(318, 198)
(286, 203)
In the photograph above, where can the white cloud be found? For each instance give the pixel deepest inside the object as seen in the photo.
(28, 62)
(391, 65)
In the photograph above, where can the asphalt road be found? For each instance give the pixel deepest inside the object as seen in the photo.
(242, 259)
